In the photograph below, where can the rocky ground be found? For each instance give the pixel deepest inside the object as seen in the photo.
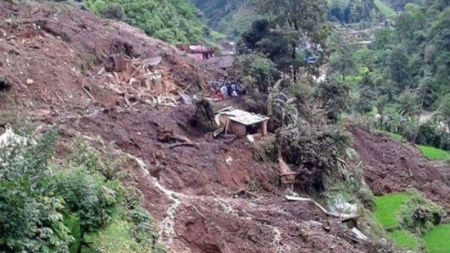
(52, 71)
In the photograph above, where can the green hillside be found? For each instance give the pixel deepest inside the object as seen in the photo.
(230, 17)
(175, 21)
(384, 9)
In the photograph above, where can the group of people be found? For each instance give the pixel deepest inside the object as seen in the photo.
(226, 88)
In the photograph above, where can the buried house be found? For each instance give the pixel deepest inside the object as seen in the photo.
(241, 123)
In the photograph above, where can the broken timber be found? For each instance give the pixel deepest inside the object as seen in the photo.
(342, 216)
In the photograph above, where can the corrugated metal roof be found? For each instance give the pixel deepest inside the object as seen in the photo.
(243, 117)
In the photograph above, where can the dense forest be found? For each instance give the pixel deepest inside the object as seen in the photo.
(399, 5)
(406, 70)
(176, 21)
(351, 11)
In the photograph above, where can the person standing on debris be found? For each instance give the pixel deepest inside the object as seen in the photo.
(234, 94)
(238, 89)
(229, 90)
(223, 90)
(233, 86)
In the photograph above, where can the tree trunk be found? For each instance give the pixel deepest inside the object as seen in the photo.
(80, 244)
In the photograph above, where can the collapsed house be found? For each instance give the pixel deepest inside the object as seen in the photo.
(241, 123)
(222, 62)
(197, 52)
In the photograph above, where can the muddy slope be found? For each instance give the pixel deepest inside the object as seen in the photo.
(51, 54)
(391, 167)
(192, 195)
(49, 64)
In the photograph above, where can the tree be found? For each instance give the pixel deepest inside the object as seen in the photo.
(262, 38)
(341, 60)
(30, 214)
(89, 199)
(445, 109)
(381, 104)
(300, 20)
(175, 21)
(398, 68)
(256, 71)
(408, 104)
(333, 95)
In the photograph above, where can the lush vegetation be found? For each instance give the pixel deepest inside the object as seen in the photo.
(404, 239)
(435, 153)
(351, 11)
(399, 5)
(50, 209)
(384, 9)
(399, 79)
(388, 207)
(437, 240)
(231, 17)
(395, 137)
(175, 21)
(408, 217)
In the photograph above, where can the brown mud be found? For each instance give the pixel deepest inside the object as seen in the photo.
(391, 166)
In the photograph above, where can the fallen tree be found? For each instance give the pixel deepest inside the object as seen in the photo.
(342, 216)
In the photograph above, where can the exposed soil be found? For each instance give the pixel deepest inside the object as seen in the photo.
(392, 167)
(50, 59)
(207, 217)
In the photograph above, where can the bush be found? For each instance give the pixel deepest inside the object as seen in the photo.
(314, 152)
(114, 11)
(30, 213)
(143, 228)
(42, 211)
(431, 134)
(419, 215)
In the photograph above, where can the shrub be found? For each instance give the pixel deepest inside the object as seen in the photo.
(30, 213)
(419, 214)
(314, 151)
(88, 198)
(143, 229)
(114, 11)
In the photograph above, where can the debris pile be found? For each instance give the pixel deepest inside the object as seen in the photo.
(138, 81)
(74, 60)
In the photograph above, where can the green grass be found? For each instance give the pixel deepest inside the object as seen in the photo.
(115, 238)
(404, 239)
(431, 153)
(384, 9)
(434, 154)
(395, 137)
(73, 223)
(387, 208)
(438, 239)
